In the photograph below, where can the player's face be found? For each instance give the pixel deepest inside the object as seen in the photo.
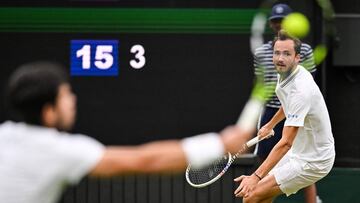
(284, 57)
(275, 24)
(65, 108)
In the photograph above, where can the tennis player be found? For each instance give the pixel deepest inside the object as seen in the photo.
(37, 158)
(306, 151)
(263, 64)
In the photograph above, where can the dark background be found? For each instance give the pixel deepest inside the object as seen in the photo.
(191, 83)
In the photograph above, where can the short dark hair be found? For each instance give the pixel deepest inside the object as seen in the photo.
(30, 87)
(283, 35)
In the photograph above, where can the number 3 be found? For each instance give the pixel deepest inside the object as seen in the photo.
(139, 60)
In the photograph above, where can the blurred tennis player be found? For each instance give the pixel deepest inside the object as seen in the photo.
(306, 151)
(37, 158)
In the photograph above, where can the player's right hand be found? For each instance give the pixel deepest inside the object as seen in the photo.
(264, 131)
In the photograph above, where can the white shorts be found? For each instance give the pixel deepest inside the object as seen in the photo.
(292, 174)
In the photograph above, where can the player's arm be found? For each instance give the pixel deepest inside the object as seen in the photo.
(279, 150)
(266, 129)
(152, 157)
(170, 155)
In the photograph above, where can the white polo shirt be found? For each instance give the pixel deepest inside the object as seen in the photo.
(36, 163)
(304, 106)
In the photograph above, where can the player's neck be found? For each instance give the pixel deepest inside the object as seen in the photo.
(285, 75)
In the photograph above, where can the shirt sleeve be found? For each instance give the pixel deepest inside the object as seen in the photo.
(298, 108)
(78, 155)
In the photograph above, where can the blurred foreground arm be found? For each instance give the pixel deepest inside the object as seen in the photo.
(152, 157)
(160, 156)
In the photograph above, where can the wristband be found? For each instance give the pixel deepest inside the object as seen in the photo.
(202, 149)
(257, 176)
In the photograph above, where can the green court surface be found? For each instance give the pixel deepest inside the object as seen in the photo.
(339, 186)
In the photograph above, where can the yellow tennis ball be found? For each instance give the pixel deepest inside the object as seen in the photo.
(296, 24)
(320, 53)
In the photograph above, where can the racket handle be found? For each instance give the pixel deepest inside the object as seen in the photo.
(256, 139)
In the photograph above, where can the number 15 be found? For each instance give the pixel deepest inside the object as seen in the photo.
(103, 56)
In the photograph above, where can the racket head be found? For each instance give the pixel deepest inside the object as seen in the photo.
(202, 177)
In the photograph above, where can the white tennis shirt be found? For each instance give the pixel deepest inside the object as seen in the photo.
(304, 106)
(36, 163)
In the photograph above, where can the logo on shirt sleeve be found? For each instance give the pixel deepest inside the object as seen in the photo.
(292, 116)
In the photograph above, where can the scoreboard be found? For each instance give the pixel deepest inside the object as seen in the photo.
(139, 74)
(96, 57)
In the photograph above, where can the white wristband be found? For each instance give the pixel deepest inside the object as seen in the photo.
(202, 149)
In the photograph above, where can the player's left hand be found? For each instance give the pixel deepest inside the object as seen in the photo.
(247, 185)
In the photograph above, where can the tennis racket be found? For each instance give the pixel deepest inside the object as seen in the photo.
(201, 177)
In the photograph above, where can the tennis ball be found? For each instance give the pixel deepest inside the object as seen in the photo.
(320, 53)
(296, 24)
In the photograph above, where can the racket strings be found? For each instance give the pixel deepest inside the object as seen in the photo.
(205, 174)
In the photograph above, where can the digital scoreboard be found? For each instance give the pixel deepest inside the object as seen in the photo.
(94, 57)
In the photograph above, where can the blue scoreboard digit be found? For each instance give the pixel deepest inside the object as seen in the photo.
(94, 57)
